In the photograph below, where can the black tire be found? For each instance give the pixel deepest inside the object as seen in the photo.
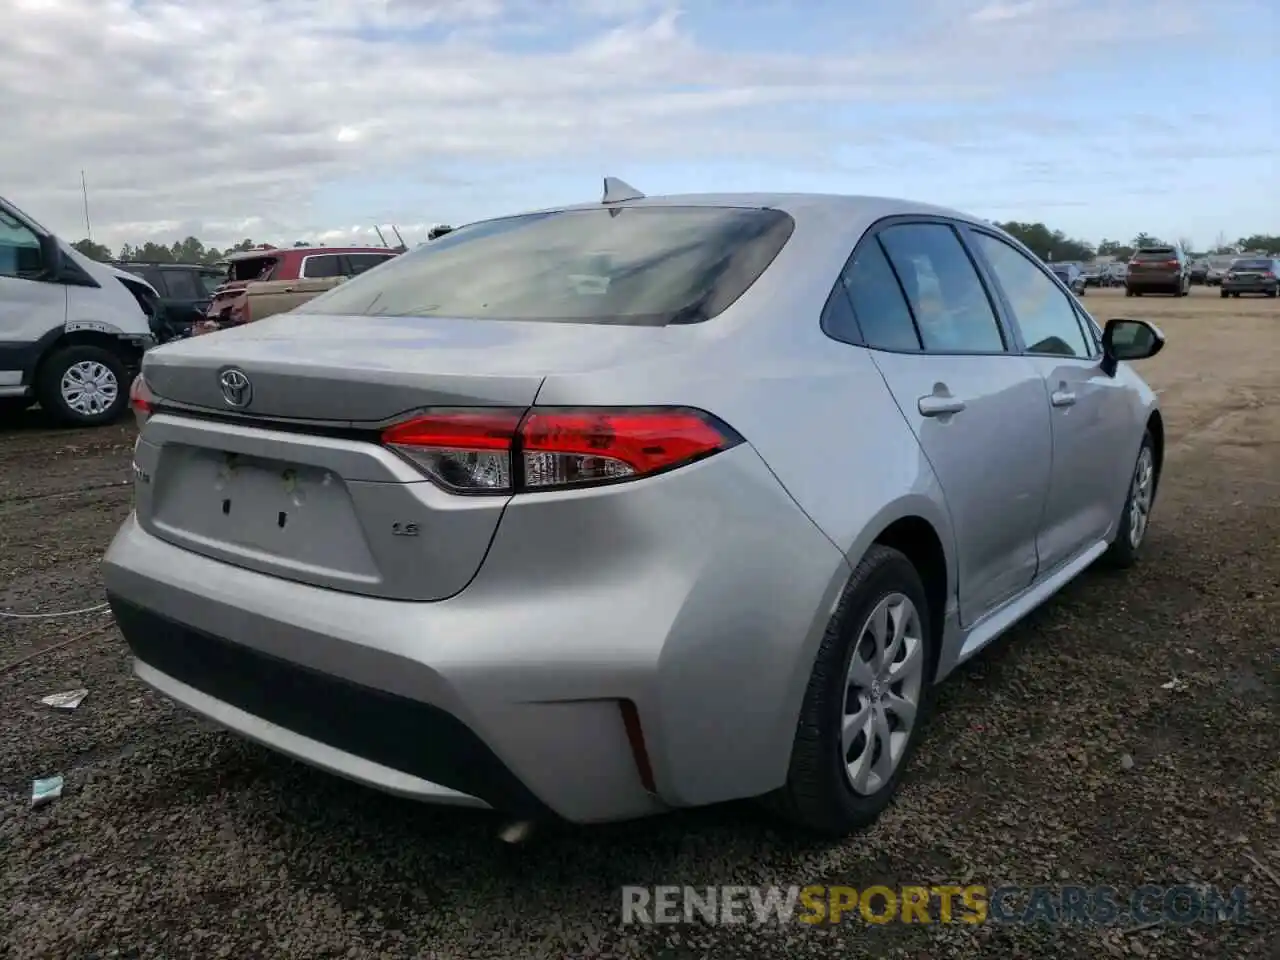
(49, 385)
(817, 795)
(1123, 552)
(1236, 295)
(1223, 294)
(1128, 292)
(1274, 292)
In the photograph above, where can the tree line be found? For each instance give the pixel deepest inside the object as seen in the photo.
(190, 250)
(1054, 245)
(1048, 244)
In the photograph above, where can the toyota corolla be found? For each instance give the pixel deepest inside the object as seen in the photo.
(635, 505)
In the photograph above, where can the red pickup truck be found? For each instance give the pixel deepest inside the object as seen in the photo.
(268, 281)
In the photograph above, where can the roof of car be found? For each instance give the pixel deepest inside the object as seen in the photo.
(126, 264)
(863, 206)
(305, 251)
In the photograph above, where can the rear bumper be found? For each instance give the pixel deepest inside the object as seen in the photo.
(1154, 285)
(700, 599)
(1250, 286)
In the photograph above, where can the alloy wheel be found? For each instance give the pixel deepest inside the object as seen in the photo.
(883, 689)
(1140, 497)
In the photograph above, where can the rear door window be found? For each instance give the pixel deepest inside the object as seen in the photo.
(182, 284)
(634, 265)
(952, 310)
(323, 265)
(878, 304)
(358, 263)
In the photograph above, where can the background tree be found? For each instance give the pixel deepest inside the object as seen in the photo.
(1144, 240)
(1048, 244)
(1114, 248)
(1262, 242)
(94, 251)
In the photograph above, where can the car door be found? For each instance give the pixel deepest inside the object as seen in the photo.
(30, 306)
(1093, 438)
(977, 408)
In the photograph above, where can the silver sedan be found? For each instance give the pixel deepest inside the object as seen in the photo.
(641, 504)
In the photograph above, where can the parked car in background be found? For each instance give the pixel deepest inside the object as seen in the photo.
(563, 528)
(1259, 275)
(260, 283)
(1092, 275)
(1072, 277)
(1158, 269)
(1113, 274)
(185, 292)
(1199, 273)
(1218, 267)
(72, 330)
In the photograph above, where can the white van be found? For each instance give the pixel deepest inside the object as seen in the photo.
(72, 331)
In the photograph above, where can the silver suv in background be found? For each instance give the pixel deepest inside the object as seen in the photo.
(606, 510)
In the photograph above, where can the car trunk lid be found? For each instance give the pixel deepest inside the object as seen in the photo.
(295, 483)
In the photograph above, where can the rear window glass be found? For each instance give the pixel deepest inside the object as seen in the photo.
(211, 281)
(252, 268)
(1251, 265)
(624, 265)
(1156, 253)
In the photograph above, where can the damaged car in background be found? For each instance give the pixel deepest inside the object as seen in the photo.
(261, 283)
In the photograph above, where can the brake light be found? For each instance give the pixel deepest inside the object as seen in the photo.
(504, 451)
(141, 399)
(1172, 263)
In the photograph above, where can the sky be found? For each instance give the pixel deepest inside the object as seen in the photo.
(285, 120)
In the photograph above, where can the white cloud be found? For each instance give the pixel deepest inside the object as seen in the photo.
(227, 119)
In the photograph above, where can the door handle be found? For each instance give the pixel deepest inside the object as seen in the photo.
(1062, 398)
(936, 406)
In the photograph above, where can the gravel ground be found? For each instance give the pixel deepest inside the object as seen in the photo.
(1059, 756)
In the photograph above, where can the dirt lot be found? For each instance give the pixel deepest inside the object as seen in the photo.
(1057, 757)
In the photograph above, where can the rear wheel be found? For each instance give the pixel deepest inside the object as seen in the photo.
(866, 701)
(1128, 292)
(1223, 294)
(83, 385)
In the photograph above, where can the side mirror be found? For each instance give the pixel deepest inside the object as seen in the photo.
(50, 256)
(1129, 340)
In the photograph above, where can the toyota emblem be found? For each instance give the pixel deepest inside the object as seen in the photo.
(236, 388)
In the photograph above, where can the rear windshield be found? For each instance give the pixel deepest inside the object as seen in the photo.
(1251, 265)
(1156, 253)
(252, 268)
(640, 266)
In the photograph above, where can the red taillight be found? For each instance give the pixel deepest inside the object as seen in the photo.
(506, 451)
(1172, 263)
(140, 399)
(464, 451)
